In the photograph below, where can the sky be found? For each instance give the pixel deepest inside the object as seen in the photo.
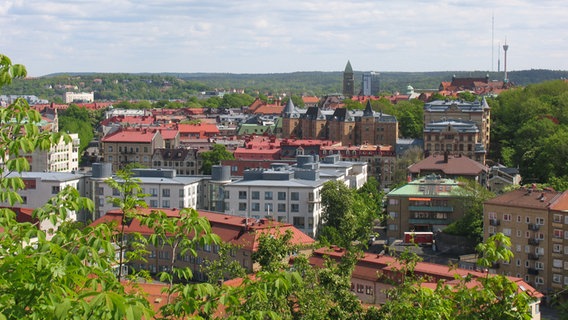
(282, 36)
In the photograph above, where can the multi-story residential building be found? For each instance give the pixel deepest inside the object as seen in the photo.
(455, 137)
(427, 204)
(79, 96)
(242, 233)
(457, 126)
(131, 146)
(447, 166)
(535, 220)
(290, 194)
(183, 160)
(372, 289)
(61, 157)
(42, 186)
(350, 127)
(380, 159)
(501, 177)
(164, 189)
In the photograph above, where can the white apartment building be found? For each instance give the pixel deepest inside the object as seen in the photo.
(164, 189)
(79, 96)
(42, 186)
(289, 194)
(62, 157)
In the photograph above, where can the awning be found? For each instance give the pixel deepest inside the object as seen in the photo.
(420, 199)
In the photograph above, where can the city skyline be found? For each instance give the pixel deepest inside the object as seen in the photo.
(280, 37)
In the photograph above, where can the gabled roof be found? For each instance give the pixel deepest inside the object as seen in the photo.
(454, 166)
(240, 231)
(529, 198)
(131, 135)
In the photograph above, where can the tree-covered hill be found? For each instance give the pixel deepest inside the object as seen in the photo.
(160, 86)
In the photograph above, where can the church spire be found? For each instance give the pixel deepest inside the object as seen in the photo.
(368, 112)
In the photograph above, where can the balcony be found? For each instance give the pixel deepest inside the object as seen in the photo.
(430, 221)
(534, 256)
(534, 227)
(532, 271)
(127, 151)
(533, 241)
(494, 222)
(431, 208)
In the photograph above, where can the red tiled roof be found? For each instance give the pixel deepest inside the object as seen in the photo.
(135, 120)
(269, 109)
(129, 135)
(231, 229)
(528, 198)
(454, 166)
(310, 99)
(370, 266)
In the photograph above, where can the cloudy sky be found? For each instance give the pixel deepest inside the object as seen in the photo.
(272, 36)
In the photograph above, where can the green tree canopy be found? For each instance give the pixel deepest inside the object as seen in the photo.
(214, 156)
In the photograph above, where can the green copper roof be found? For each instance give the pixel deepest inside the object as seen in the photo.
(348, 67)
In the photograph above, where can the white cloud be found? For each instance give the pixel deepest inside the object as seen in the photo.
(257, 36)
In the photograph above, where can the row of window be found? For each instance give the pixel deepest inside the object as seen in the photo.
(174, 163)
(362, 288)
(519, 232)
(557, 218)
(269, 195)
(557, 278)
(125, 149)
(268, 207)
(509, 217)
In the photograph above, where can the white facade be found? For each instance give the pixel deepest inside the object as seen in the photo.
(79, 96)
(42, 186)
(295, 201)
(63, 157)
(163, 189)
(291, 194)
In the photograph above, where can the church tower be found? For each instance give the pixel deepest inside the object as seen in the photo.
(348, 81)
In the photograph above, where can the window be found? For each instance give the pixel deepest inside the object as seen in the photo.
(294, 207)
(255, 206)
(518, 262)
(566, 235)
(281, 207)
(393, 215)
(557, 248)
(565, 219)
(507, 231)
(565, 265)
(181, 192)
(540, 221)
(539, 280)
(153, 192)
(557, 218)
(369, 290)
(299, 222)
(153, 203)
(519, 219)
(268, 208)
(539, 265)
(242, 194)
(519, 248)
(492, 215)
(565, 249)
(528, 219)
(281, 195)
(115, 192)
(506, 217)
(165, 203)
(557, 263)
(268, 195)
(109, 148)
(393, 227)
(295, 196)
(242, 206)
(165, 192)
(566, 280)
(393, 201)
(360, 288)
(29, 184)
(519, 233)
(255, 195)
(55, 189)
(227, 194)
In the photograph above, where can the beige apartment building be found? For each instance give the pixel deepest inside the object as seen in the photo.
(537, 223)
(131, 146)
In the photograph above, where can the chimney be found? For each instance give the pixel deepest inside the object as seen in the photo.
(446, 155)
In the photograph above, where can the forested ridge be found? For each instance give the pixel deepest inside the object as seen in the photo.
(157, 86)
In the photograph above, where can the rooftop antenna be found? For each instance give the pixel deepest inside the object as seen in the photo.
(492, 41)
(505, 48)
